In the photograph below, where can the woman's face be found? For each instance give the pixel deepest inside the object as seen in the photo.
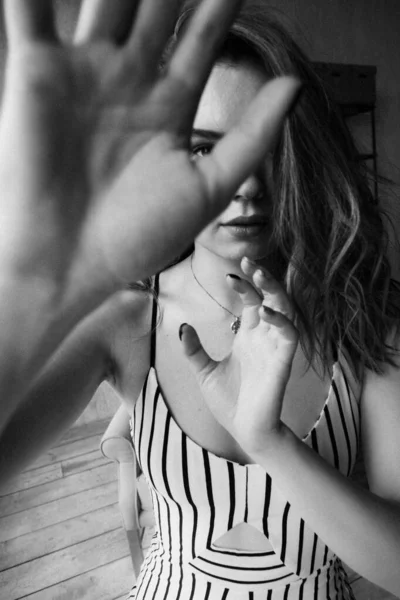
(244, 228)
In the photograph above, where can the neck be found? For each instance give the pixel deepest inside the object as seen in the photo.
(211, 270)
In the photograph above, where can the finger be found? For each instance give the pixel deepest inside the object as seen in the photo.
(277, 319)
(274, 294)
(105, 19)
(239, 153)
(199, 360)
(195, 55)
(153, 27)
(29, 20)
(248, 293)
(273, 317)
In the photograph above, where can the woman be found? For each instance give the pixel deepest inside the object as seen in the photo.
(243, 507)
(247, 453)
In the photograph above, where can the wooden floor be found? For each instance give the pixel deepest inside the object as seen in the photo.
(61, 536)
(60, 528)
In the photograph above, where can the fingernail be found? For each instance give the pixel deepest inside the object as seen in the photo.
(268, 310)
(233, 276)
(181, 328)
(264, 274)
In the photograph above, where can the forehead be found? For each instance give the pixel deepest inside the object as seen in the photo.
(228, 93)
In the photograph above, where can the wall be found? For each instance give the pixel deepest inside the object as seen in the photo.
(363, 32)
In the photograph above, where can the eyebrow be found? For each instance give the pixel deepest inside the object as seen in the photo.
(207, 134)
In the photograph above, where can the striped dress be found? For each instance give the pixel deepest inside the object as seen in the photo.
(198, 497)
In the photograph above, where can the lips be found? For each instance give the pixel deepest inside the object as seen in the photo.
(254, 220)
(246, 228)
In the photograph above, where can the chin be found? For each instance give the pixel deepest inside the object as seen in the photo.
(249, 250)
(235, 249)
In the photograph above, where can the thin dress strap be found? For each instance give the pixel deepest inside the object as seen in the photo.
(154, 322)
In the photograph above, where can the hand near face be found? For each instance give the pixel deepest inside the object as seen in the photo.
(95, 170)
(245, 390)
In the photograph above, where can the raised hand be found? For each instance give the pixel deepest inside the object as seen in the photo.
(245, 390)
(94, 159)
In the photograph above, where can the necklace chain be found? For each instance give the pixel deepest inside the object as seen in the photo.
(235, 325)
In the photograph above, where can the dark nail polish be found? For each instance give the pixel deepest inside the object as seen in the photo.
(234, 276)
(181, 328)
(268, 310)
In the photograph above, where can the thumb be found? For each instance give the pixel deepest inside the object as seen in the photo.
(202, 365)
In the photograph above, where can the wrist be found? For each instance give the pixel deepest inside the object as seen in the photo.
(267, 443)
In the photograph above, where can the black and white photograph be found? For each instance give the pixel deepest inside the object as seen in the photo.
(200, 300)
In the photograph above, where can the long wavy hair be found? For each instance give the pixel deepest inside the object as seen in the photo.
(328, 235)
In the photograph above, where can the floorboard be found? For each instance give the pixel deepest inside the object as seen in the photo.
(74, 560)
(33, 545)
(82, 432)
(73, 449)
(33, 478)
(61, 534)
(55, 490)
(35, 519)
(106, 582)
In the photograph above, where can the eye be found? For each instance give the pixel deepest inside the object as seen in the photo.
(201, 150)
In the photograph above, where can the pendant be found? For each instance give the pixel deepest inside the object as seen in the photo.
(235, 325)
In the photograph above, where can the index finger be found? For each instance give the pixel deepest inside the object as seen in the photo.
(240, 152)
(248, 293)
(274, 294)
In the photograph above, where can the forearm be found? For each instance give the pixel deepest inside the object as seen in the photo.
(53, 402)
(32, 429)
(360, 527)
(36, 316)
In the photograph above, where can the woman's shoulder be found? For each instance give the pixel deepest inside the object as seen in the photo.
(124, 310)
(127, 333)
(129, 308)
(125, 307)
(133, 307)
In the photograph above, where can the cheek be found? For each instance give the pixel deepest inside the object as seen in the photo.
(269, 174)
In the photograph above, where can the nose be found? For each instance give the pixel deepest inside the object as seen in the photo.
(251, 190)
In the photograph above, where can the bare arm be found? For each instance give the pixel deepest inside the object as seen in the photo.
(70, 378)
(362, 527)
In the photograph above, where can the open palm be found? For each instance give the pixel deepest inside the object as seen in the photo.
(100, 138)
